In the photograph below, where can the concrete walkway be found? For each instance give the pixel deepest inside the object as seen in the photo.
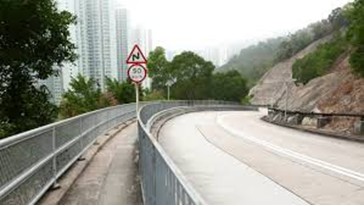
(111, 177)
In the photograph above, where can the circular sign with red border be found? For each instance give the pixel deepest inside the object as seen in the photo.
(137, 73)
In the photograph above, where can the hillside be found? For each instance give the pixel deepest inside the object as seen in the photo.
(271, 87)
(337, 91)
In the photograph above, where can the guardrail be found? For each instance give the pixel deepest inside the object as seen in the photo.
(348, 122)
(318, 114)
(161, 180)
(32, 161)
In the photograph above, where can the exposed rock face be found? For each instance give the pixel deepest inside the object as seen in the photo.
(272, 86)
(337, 92)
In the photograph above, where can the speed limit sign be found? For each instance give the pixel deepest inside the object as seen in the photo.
(137, 73)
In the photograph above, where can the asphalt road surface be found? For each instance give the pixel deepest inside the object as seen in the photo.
(236, 158)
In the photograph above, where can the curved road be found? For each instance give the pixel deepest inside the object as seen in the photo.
(236, 158)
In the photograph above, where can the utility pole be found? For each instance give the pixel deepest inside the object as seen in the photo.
(169, 83)
(168, 92)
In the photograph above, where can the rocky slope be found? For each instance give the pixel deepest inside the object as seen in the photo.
(337, 91)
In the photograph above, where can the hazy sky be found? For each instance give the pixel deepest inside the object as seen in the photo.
(194, 24)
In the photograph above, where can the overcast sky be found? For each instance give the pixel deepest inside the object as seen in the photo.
(194, 24)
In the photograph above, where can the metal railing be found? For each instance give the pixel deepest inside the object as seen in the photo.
(342, 124)
(32, 161)
(161, 180)
(315, 114)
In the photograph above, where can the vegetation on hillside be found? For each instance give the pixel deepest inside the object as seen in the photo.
(254, 61)
(192, 78)
(318, 63)
(355, 34)
(34, 37)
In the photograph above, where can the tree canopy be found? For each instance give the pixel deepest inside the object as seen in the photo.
(192, 75)
(34, 37)
(355, 34)
(193, 78)
(158, 68)
(83, 97)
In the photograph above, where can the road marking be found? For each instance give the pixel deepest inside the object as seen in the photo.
(280, 150)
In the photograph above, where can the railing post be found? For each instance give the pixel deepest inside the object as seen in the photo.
(81, 139)
(54, 159)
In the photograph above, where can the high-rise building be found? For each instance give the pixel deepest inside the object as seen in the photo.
(95, 38)
(58, 84)
(122, 41)
(100, 39)
(55, 86)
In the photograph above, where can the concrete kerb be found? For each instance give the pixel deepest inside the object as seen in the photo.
(53, 197)
(312, 131)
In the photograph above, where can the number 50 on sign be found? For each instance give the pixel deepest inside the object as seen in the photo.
(137, 73)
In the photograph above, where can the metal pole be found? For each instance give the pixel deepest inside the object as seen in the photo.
(168, 92)
(136, 98)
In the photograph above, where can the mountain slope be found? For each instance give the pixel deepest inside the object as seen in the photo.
(337, 91)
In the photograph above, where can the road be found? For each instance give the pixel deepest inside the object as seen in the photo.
(111, 176)
(236, 158)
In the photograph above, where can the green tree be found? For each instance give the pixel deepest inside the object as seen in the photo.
(153, 95)
(115, 88)
(318, 63)
(192, 74)
(355, 34)
(34, 37)
(158, 68)
(124, 92)
(84, 96)
(229, 86)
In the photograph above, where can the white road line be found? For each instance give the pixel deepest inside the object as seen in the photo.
(274, 148)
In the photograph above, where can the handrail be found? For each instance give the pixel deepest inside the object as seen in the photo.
(162, 181)
(32, 161)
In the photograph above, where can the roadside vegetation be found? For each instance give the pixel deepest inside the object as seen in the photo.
(349, 34)
(319, 62)
(193, 78)
(254, 61)
(30, 48)
(85, 96)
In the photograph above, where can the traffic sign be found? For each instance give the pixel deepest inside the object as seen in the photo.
(137, 73)
(136, 56)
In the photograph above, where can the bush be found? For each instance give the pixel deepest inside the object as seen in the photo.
(154, 95)
(318, 62)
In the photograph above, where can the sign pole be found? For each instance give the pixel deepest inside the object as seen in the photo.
(136, 72)
(136, 97)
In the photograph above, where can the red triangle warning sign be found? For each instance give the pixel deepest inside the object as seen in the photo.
(136, 56)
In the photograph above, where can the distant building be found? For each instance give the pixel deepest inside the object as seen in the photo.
(95, 38)
(122, 41)
(55, 87)
(100, 29)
